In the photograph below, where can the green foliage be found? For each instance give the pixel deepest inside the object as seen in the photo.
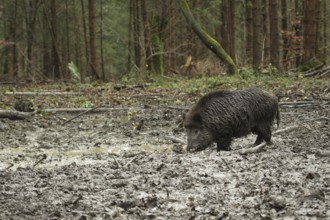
(74, 72)
(87, 104)
(247, 73)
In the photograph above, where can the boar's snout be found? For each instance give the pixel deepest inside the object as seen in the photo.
(198, 139)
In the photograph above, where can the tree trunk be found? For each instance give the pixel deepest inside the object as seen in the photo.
(87, 56)
(92, 38)
(55, 55)
(130, 36)
(46, 41)
(206, 39)
(266, 34)
(157, 45)
(136, 33)
(172, 45)
(67, 31)
(10, 59)
(101, 41)
(274, 33)
(224, 27)
(31, 15)
(321, 30)
(309, 33)
(285, 36)
(146, 25)
(257, 34)
(232, 31)
(249, 31)
(142, 40)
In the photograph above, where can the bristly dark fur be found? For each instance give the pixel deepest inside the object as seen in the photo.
(223, 115)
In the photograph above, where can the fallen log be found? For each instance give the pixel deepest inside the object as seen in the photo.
(44, 93)
(15, 115)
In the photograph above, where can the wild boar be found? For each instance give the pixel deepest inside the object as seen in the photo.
(220, 116)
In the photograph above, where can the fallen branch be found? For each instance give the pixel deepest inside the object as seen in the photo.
(320, 72)
(175, 140)
(100, 109)
(252, 150)
(85, 112)
(10, 166)
(43, 93)
(285, 129)
(43, 157)
(314, 71)
(324, 153)
(131, 161)
(169, 107)
(120, 87)
(318, 119)
(15, 115)
(116, 162)
(299, 104)
(325, 73)
(261, 146)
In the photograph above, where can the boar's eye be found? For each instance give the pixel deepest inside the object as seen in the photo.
(196, 131)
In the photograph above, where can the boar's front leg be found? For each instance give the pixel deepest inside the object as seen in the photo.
(223, 143)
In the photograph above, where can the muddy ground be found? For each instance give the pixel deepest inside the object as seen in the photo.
(123, 164)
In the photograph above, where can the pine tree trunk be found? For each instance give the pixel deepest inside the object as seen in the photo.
(136, 33)
(309, 33)
(321, 30)
(249, 31)
(285, 37)
(86, 44)
(266, 34)
(92, 39)
(232, 31)
(274, 33)
(146, 25)
(55, 55)
(31, 14)
(224, 27)
(172, 46)
(257, 34)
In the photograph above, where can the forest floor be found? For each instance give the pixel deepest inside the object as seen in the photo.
(124, 163)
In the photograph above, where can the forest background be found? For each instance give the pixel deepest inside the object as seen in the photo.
(109, 40)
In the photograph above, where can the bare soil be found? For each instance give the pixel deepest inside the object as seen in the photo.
(124, 164)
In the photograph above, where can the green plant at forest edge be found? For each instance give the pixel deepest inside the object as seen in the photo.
(75, 74)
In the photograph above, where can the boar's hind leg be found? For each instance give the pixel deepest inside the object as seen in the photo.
(264, 133)
(223, 143)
